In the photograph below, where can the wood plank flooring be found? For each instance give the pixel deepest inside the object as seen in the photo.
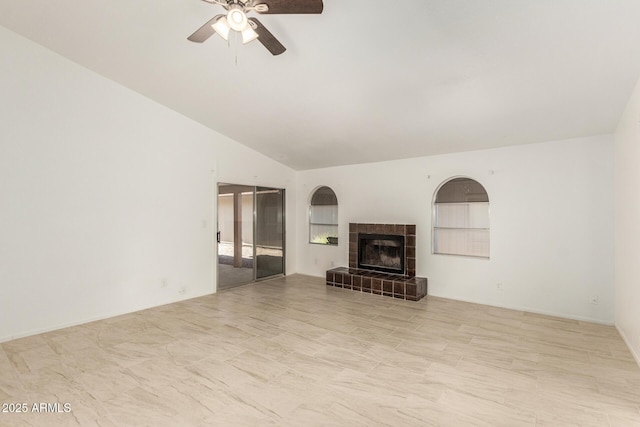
(294, 352)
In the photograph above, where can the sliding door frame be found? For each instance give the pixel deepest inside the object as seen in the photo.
(255, 218)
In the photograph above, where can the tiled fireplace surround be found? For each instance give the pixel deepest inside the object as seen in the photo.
(403, 286)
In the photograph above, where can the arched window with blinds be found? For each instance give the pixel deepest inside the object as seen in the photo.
(461, 219)
(323, 217)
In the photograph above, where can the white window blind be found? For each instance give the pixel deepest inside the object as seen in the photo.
(461, 219)
(323, 217)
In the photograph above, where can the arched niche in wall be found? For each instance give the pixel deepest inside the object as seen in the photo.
(323, 217)
(461, 218)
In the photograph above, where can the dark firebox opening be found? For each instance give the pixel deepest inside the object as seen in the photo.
(381, 252)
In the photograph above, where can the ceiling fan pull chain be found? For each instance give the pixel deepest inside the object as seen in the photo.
(235, 46)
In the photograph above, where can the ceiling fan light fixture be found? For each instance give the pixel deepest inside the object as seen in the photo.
(221, 26)
(236, 18)
(248, 35)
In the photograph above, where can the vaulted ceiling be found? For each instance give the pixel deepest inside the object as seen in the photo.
(365, 80)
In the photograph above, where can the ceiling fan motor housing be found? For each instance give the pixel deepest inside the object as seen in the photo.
(236, 17)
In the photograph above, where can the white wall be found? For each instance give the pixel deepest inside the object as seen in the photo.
(627, 217)
(106, 198)
(551, 223)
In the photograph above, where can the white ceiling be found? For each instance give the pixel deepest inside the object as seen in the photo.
(366, 80)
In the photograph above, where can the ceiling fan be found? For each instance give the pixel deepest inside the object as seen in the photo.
(236, 19)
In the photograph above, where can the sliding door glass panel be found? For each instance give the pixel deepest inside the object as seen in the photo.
(269, 232)
(235, 235)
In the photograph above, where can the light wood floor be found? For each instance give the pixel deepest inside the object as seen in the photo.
(293, 352)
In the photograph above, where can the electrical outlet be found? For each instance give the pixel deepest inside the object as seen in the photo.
(594, 300)
(183, 289)
(499, 286)
(165, 283)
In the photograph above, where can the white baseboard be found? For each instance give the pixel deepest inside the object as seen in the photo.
(24, 334)
(530, 310)
(635, 355)
(518, 308)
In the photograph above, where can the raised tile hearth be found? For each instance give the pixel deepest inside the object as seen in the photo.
(382, 261)
(386, 284)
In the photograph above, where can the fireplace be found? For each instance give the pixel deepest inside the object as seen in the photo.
(387, 248)
(381, 252)
(382, 261)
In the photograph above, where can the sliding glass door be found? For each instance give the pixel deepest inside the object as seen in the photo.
(235, 235)
(269, 223)
(250, 237)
